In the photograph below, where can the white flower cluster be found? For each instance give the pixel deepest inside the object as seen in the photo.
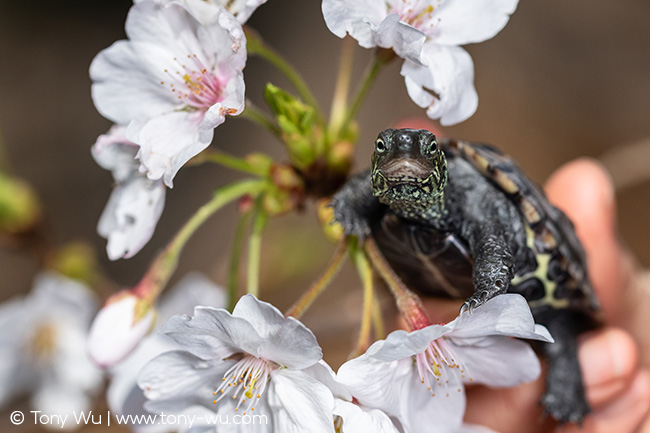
(439, 75)
(167, 87)
(256, 361)
(43, 347)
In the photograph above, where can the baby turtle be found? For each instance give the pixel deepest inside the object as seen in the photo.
(460, 220)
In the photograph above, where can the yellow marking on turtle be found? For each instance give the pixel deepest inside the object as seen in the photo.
(505, 182)
(529, 211)
(481, 163)
(541, 273)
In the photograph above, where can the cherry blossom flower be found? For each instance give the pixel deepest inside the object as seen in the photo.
(241, 9)
(172, 82)
(123, 395)
(43, 351)
(418, 377)
(136, 203)
(252, 361)
(439, 74)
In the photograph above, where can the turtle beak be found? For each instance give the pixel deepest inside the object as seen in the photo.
(404, 170)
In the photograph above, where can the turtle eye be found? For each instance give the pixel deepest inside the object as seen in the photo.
(380, 146)
(431, 147)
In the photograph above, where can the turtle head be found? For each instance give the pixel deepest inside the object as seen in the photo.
(408, 168)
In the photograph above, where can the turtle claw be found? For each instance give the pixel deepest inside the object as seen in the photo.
(479, 298)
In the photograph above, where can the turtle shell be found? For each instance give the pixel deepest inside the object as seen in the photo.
(559, 278)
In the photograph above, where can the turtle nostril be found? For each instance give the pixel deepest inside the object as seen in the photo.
(405, 142)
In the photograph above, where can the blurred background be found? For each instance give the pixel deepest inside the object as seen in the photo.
(563, 80)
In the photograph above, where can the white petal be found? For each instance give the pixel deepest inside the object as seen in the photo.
(192, 290)
(449, 72)
(71, 364)
(354, 17)
(177, 380)
(407, 41)
(114, 152)
(114, 332)
(242, 9)
(54, 398)
(323, 373)
(285, 341)
(123, 394)
(507, 315)
(300, 403)
(401, 344)
(472, 428)
(395, 388)
(357, 420)
(168, 141)
(131, 215)
(370, 23)
(471, 20)
(15, 375)
(59, 297)
(500, 362)
(212, 333)
(123, 86)
(375, 383)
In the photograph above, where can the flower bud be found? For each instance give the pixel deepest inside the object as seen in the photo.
(333, 230)
(340, 155)
(119, 326)
(20, 209)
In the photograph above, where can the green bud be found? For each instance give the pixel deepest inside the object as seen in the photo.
(75, 260)
(261, 162)
(296, 121)
(20, 209)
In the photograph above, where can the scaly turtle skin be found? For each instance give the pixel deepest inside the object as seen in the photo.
(461, 220)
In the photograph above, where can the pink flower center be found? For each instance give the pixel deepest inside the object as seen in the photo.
(440, 369)
(416, 13)
(196, 86)
(245, 381)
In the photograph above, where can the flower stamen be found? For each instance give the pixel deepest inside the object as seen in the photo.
(439, 362)
(248, 376)
(196, 86)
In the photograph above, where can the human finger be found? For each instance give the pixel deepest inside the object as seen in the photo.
(608, 359)
(583, 190)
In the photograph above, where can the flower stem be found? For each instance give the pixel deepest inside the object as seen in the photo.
(235, 258)
(340, 98)
(378, 320)
(380, 58)
(229, 161)
(305, 301)
(164, 265)
(254, 251)
(251, 112)
(255, 45)
(365, 272)
(408, 303)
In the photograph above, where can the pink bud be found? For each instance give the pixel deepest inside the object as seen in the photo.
(119, 326)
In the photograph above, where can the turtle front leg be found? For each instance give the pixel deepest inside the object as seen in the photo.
(354, 205)
(493, 263)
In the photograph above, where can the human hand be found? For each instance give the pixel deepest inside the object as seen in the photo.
(618, 390)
